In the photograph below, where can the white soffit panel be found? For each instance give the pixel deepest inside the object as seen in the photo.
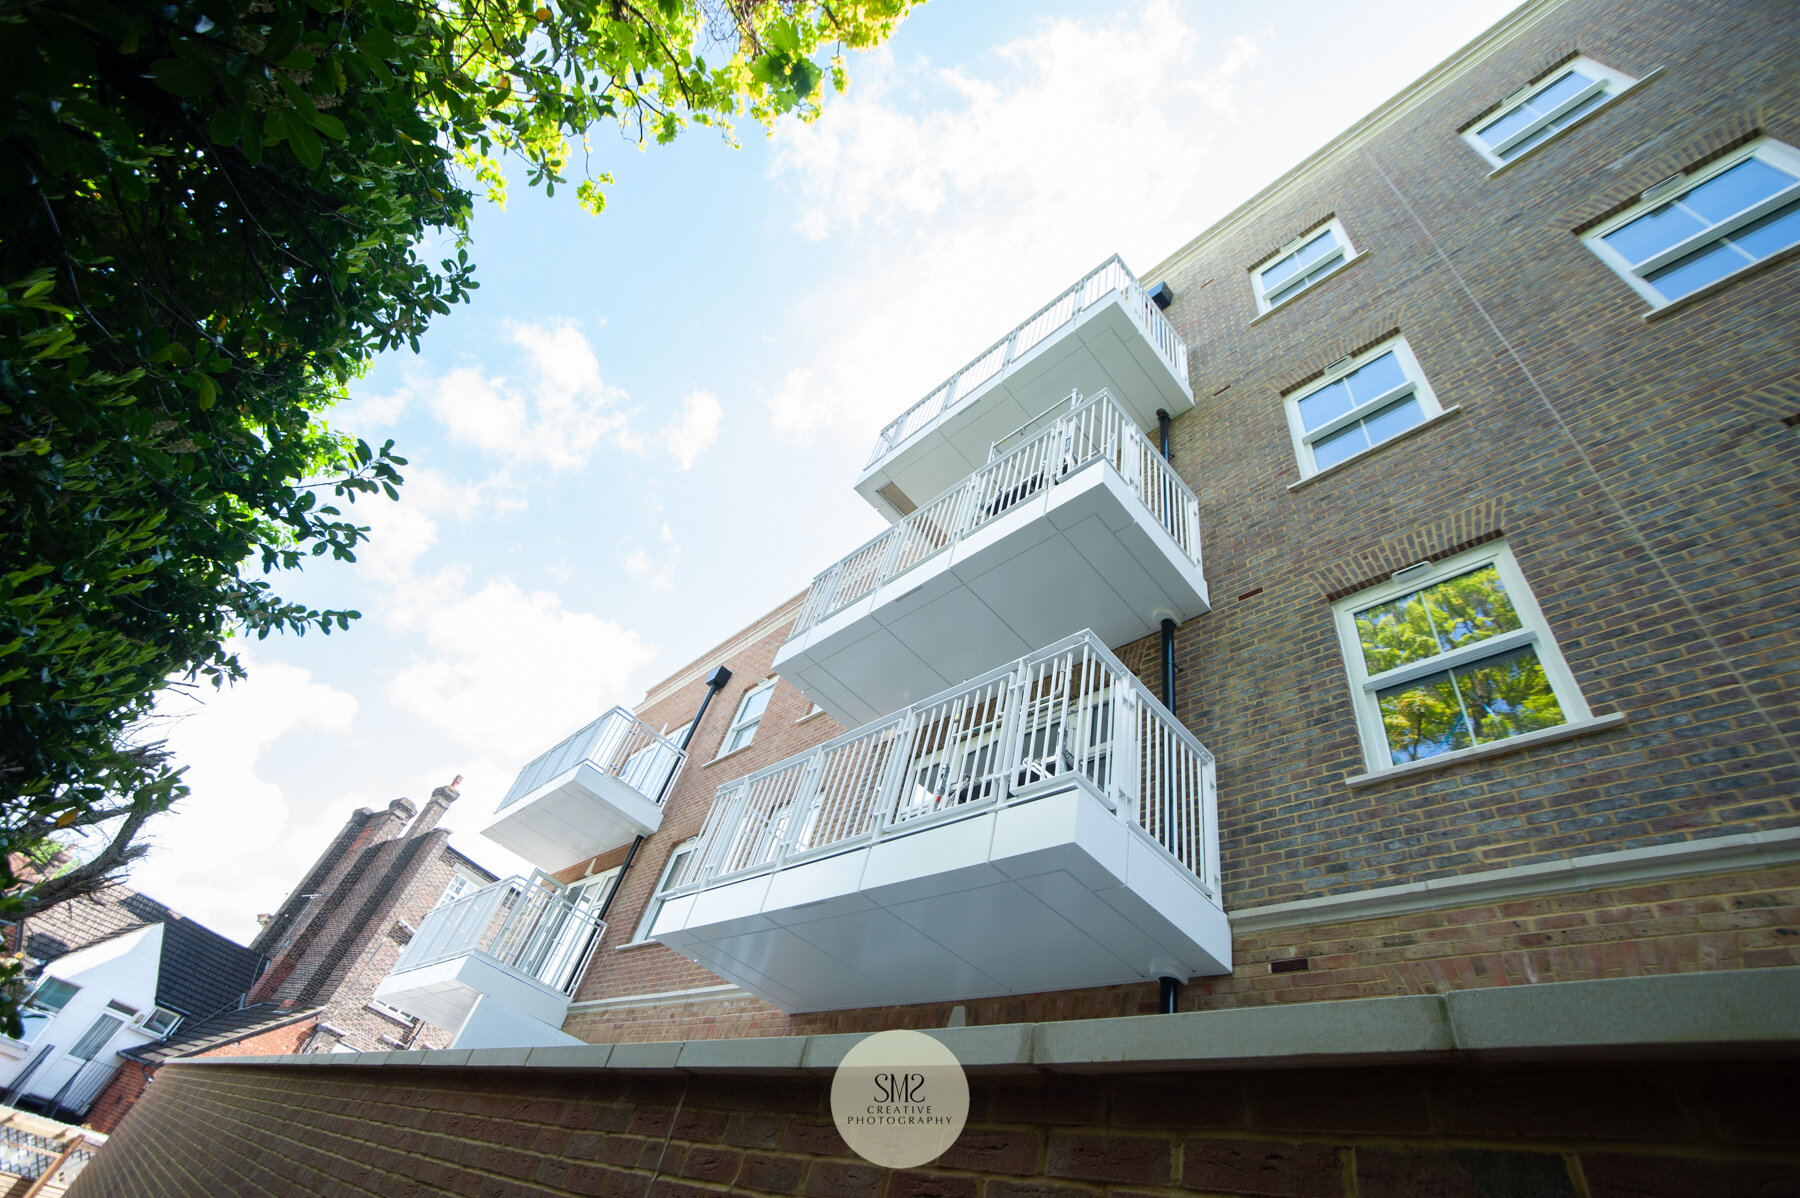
(1051, 893)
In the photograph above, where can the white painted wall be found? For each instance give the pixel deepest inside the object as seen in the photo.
(123, 969)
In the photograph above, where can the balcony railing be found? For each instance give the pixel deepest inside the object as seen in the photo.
(525, 926)
(1070, 710)
(1110, 276)
(1096, 427)
(84, 1086)
(618, 743)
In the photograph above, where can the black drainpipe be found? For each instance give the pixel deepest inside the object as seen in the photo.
(1169, 999)
(715, 682)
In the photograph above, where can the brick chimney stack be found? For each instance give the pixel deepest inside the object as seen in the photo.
(440, 801)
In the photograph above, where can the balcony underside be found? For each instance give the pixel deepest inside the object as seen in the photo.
(1052, 892)
(445, 992)
(1103, 349)
(578, 814)
(1084, 554)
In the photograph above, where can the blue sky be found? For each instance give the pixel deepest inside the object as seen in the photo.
(643, 432)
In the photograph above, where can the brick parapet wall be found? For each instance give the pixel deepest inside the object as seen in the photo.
(1581, 1130)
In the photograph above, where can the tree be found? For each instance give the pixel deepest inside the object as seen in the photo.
(211, 214)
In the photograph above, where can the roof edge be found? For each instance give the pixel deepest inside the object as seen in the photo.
(1486, 43)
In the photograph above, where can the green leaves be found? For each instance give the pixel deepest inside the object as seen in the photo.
(188, 75)
(209, 218)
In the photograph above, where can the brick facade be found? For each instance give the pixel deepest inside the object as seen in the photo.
(1640, 467)
(340, 931)
(1641, 471)
(1661, 1130)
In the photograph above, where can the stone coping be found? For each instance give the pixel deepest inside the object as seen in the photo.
(1671, 1015)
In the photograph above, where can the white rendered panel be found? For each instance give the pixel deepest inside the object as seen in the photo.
(1051, 893)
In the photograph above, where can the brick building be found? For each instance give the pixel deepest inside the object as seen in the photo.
(1417, 813)
(340, 930)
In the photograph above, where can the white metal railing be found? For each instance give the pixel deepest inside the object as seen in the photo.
(1070, 711)
(525, 925)
(84, 1086)
(1108, 277)
(1054, 446)
(618, 743)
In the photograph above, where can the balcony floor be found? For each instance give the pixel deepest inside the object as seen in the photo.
(1053, 892)
(444, 992)
(1085, 554)
(1103, 350)
(578, 814)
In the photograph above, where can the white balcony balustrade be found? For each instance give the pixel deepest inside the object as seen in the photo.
(595, 791)
(517, 947)
(1076, 521)
(1102, 333)
(1047, 826)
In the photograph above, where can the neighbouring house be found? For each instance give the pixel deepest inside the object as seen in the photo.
(341, 929)
(111, 972)
(259, 1028)
(1323, 718)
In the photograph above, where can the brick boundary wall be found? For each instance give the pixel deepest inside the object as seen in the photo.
(1719, 1128)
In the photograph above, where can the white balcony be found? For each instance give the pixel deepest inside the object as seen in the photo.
(1075, 522)
(1103, 333)
(517, 948)
(1048, 826)
(595, 791)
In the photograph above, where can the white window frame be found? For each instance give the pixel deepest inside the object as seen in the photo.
(35, 1016)
(1607, 82)
(654, 907)
(740, 724)
(469, 884)
(96, 1038)
(1416, 384)
(159, 1022)
(1777, 154)
(1533, 630)
(393, 1012)
(1343, 255)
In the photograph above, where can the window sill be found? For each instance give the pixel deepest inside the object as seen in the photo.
(729, 756)
(1619, 95)
(1718, 285)
(631, 944)
(1499, 748)
(809, 716)
(1286, 304)
(391, 1018)
(1415, 430)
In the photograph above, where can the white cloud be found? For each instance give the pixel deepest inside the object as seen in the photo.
(1082, 119)
(243, 839)
(401, 532)
(658, 576)
(558, 422)
(695, 430)
(509, 671)
(367, 414)
(962, 199)
(797, 410)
